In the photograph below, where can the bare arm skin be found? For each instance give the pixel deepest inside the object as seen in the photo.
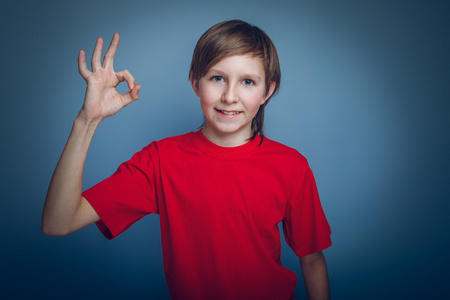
(315, 276)
(65, 210)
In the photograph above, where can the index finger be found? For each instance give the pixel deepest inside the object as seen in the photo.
(108, 60)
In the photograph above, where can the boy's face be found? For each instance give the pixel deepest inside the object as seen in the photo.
(230, 95)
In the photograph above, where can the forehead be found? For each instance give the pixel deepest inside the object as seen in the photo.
(241, 63)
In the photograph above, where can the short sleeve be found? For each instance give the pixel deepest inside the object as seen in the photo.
(128, 195)
(305, 226)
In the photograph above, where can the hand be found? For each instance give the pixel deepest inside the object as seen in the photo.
(102, 99)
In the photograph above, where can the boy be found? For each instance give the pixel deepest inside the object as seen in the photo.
(220, 191)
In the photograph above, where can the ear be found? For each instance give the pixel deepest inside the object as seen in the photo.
(194, 83)
(271, 89)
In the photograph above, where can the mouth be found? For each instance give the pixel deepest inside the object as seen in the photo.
(228, 112)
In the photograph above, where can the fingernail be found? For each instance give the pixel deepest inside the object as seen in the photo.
(132, 85)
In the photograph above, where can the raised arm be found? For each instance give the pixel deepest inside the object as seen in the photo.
(65, 210)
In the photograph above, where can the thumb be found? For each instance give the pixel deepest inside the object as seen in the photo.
(135, 92)
(132, 95)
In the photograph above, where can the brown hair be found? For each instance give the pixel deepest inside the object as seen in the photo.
(236, 37)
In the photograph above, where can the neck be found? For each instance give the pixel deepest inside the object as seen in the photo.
(226, 139)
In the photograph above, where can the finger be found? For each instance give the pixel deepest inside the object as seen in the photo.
(125, 75)
(108, 59)
(132, 95)
(82, 68)
(95, 62)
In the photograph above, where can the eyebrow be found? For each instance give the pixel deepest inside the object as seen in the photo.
(212, 70)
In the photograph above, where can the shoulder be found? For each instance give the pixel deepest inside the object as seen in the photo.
(182, 139)
(174, 145)
(167, 147)
(280, 151)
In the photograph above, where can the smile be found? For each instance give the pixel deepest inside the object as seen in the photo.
(228, 112)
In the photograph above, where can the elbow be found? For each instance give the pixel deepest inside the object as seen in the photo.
(53, 230)
(53, 226)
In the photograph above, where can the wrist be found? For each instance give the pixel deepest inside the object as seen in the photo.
(83, 119)
(85, 124)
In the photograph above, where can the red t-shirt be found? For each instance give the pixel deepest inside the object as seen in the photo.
(219, 209)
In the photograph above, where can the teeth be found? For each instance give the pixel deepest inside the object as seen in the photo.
(229, 112)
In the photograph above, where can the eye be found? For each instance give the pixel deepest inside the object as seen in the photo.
(248, 82)
(217, 78)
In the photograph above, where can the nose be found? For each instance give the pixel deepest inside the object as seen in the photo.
(229, 95)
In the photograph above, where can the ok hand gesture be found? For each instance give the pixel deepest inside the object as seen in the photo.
(102, 99)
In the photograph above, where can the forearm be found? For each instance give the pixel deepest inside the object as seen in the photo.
(64, 194)
(315, 276)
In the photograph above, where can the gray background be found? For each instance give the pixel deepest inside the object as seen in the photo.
(364, 96)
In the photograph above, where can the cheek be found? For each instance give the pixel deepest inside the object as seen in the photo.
(208, 95)
(206, 99)
(255, 100)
